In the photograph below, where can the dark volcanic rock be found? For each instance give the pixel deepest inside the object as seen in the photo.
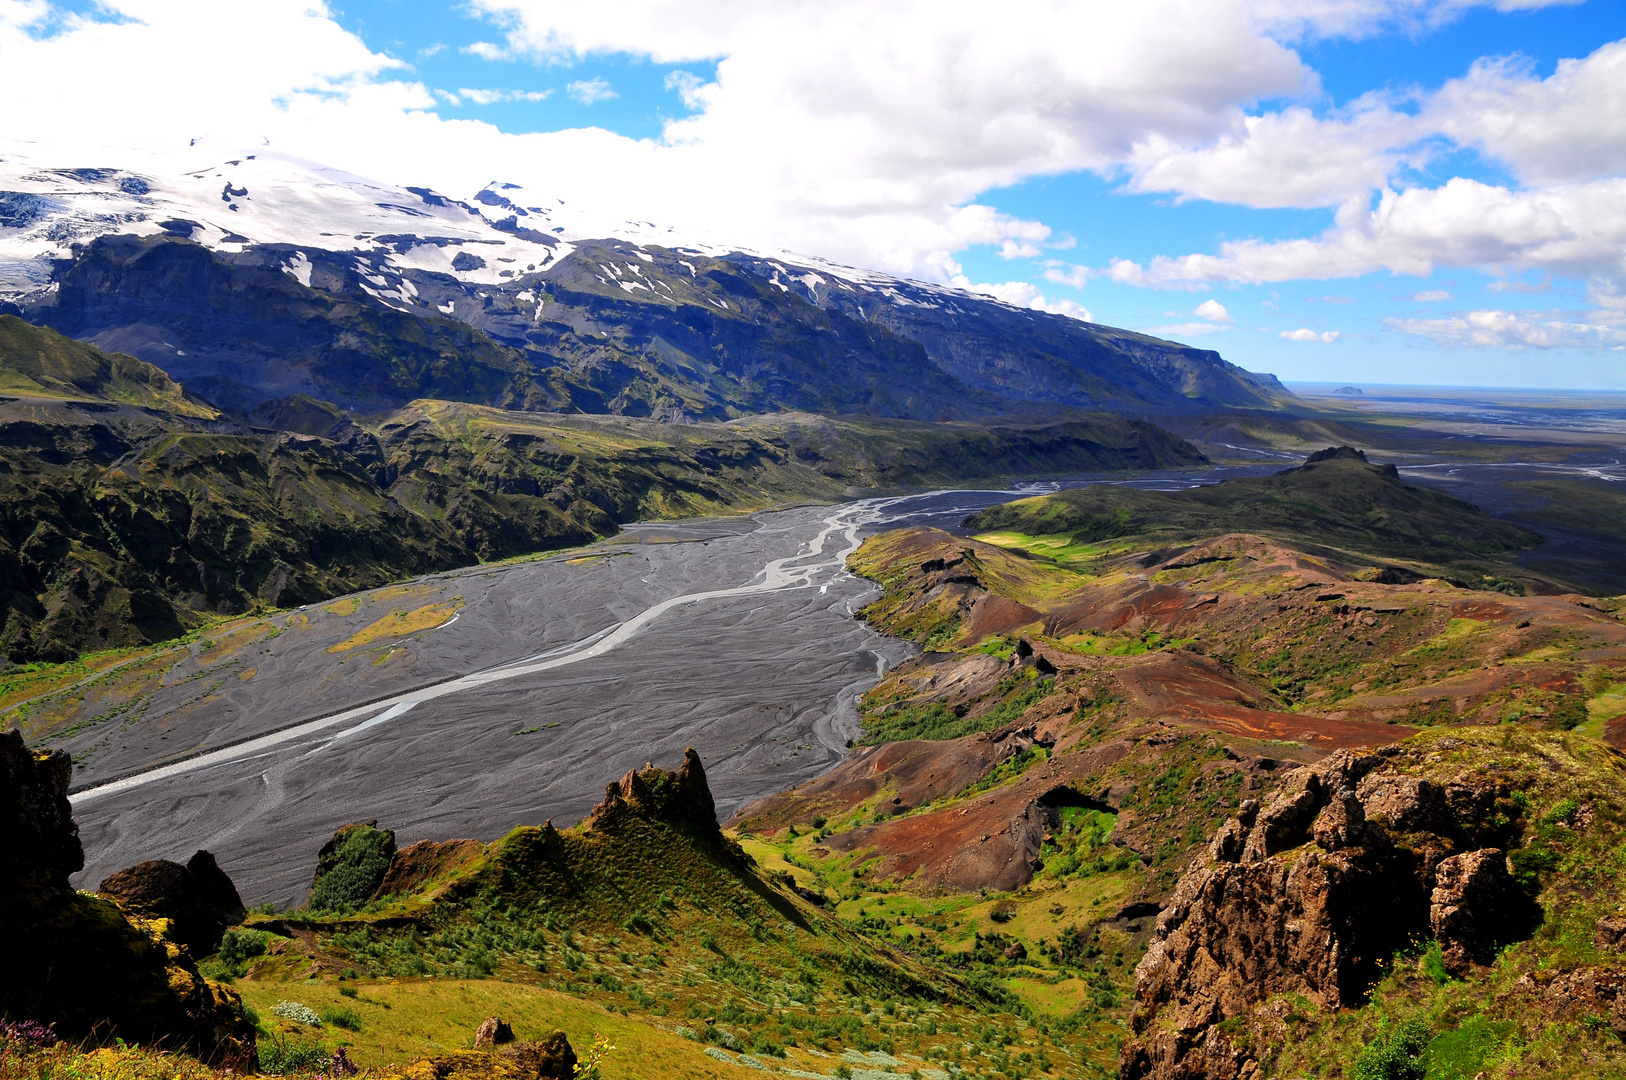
(82, 963)
(1348, 862)
(681, 798)
(551, 1058)
(37, 829)
(198, 898)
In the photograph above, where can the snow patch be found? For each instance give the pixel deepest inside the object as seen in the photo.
(299, 268)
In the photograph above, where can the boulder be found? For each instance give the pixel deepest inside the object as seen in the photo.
(551, 1058)
(493, 1031)
(1475, 906)
(1610, 933)
(199, 899)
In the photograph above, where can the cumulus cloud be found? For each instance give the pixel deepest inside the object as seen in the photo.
(1287, 158)
(1514, 330)
(1430, 296)
(1577, 230)
(866, 132)
(1213, 311)
(590, 91)
(1070, 274)
(1026, 295)
(1326, 337)
(1566, 128)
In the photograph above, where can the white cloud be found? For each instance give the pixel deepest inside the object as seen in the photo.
(1513, 330)
(1185, 330)
(1569, 127)
(1213, 311)
(590, 91)
(1305, 334)
(1070, 274)
(1026, 295)
(865, 132)
(498, 97)
(688, 86)
(1287, 158)
(1432, 295)
(1578, 230)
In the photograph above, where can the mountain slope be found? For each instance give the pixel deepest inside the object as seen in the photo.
(38, 363)
(1336, 500)
(260, 277)
(122, 525)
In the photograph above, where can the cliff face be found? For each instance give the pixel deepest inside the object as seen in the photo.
(1349, 862)
(84, 964)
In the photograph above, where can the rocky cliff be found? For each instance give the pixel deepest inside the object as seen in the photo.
(85, 964)
(1312, 894)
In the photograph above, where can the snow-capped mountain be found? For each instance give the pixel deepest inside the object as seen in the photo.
(255, 276)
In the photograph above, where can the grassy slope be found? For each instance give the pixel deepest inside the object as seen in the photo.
(647, 915)
(1344, 504)
(37, 362)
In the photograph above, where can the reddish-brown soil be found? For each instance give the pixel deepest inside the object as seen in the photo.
(1377, 654)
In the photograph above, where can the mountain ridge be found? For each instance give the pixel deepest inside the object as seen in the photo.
(260, 277)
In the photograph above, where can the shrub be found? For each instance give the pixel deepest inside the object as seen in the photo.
(299, 1014)
(239, 945)
(280, 1056)
(1434, 964)
(342, 1017)
(1397, 1052)
(354, 871)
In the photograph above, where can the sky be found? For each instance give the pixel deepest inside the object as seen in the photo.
(1349, 191)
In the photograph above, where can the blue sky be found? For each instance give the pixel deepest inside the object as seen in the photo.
(1389, 191)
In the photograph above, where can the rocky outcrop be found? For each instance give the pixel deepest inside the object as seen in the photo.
(414, 867)
(1348, 862)
(493, 1031)
(198, 899)
(679, 798)
(36, 822)
(550, 1058)
(87, 964)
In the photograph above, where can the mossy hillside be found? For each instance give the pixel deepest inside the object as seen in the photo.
(1401, 653)
(1341, 502)
(124, 526)
(39, 362)
(1074, 971)
(1502, 1020)
(656, 914)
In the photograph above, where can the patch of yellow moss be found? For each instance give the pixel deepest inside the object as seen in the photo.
(398, 624)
